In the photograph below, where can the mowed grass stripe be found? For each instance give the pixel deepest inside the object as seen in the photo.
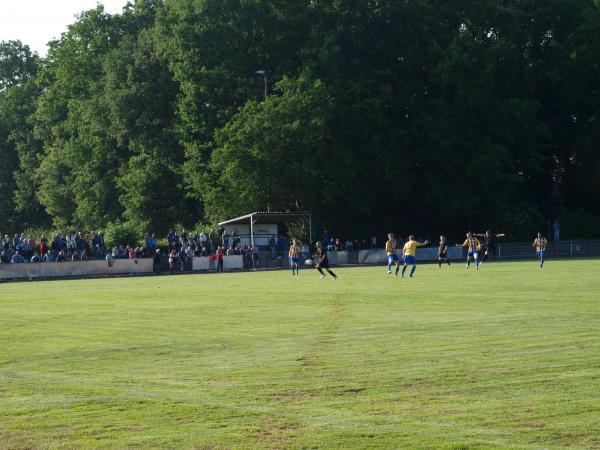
(506, 357)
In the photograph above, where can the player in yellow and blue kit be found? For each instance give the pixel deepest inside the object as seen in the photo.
(473, 245)
(390, 247)
(409, 254)
(541, 244)
(295, 254)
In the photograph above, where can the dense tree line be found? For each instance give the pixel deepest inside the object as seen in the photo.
(382, 115)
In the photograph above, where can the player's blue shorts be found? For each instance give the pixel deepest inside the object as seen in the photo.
(296, 260)
(410, 260)
(473, 254)
(541, 253)
(393, 258)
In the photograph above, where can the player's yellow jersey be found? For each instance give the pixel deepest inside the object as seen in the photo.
(390, 247)
(294, 251)
(410, 248)
(473, 244)
(540, 244)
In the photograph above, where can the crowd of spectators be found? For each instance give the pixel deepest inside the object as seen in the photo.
(179, 250)
(74, 246)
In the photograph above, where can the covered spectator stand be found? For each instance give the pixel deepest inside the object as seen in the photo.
(268, 222)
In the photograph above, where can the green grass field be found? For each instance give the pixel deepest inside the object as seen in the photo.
(507, 357)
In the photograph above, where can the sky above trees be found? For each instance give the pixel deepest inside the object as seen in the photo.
(36, 22)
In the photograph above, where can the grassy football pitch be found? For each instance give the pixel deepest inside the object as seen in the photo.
(506, 357)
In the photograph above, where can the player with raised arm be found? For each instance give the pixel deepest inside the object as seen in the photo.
(409, 254)
(473, 245)
(541, 244)
(323, 261)
(295, 255)
(443, 251)
(390, 247)
(488, 244)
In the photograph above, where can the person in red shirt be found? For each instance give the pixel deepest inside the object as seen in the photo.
(219, 257)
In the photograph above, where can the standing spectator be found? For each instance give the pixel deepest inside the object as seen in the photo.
(32, 245)
(273, 245)
(189, 257)
(156, 260)
(255, 256)
(556, 231)
(82, 246)
(43, 245)
(374, 242)
(101, 245)
(235, 236)
(173, 259)
(94, 244)
(280, 246)
(225, 238)
(171, 237)
(219, 258)
(203, 239)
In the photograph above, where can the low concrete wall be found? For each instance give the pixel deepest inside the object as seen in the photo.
(205, 263)
(233, 262)
(336, 258)
(75, 268)
(202, 263)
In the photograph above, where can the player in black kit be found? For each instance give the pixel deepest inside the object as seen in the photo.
(443, 251)
(488, 244)
(323, 261)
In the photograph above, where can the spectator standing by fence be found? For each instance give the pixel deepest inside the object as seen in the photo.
(219, 258)
(556, 231)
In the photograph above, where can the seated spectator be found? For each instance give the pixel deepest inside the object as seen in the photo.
(49, 256)
(349, 245)
(61, 257)
(36, 258)
(305, 251)
(17, 258)
(331, 245)
(110, 259)
(4, 259)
